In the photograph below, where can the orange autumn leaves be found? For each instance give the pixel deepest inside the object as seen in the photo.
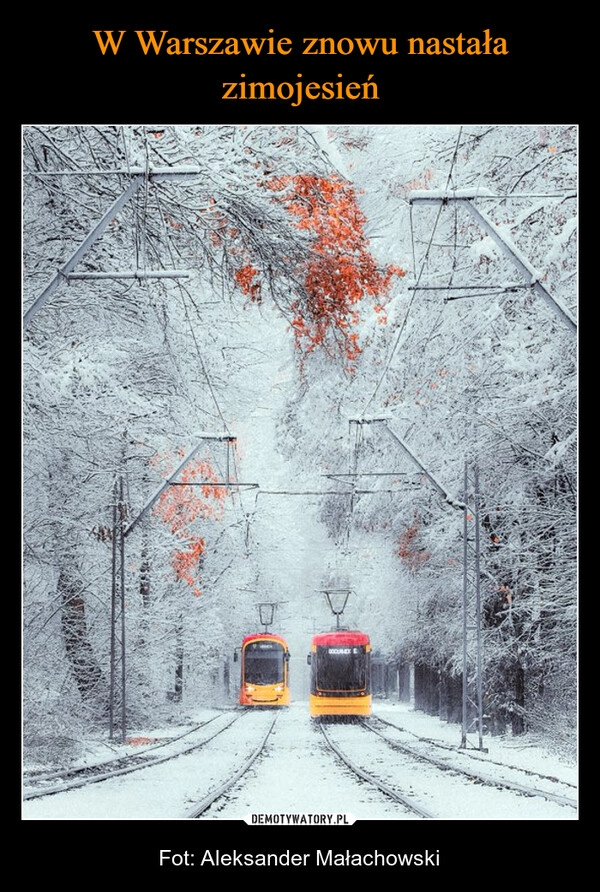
(180, 506)
(341, 271)
(412, 554)
(248, 281)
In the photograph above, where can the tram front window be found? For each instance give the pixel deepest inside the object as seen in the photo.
(264, 663)
(342, 668)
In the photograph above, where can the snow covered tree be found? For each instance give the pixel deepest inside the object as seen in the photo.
(471, 365)
(216, 243)
(124, 361)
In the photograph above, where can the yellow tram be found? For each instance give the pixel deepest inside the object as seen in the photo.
(264, 678)
(340, 677)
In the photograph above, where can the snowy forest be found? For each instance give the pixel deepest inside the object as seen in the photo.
(262, 360)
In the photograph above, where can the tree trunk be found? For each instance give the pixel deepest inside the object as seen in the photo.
(179, 654)
(404, 682)
(426, 689)
(145, 578)
(86, 671)
(450, 697)
(518, 716)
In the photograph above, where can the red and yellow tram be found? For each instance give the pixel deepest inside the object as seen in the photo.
(264, 679)
(340, 674)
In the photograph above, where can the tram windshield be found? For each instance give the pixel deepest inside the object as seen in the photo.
(342, 668)
(263, 663)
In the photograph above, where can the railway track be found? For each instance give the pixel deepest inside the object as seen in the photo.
(474, 754)
(443, 786)
(509, 780)
(244, 763)
(392, 793)
(201, 807)
(50, 783)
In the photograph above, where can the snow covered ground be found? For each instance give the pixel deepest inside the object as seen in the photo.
(300, 776)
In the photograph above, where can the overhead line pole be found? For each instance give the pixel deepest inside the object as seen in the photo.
(120, 533)
(471, 616)
(139, 175)
(84, 247)
(472, 703)
(528, 272)
(132, 274)
(183, 171)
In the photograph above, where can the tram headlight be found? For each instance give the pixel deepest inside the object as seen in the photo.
(249, 688)
(279, 688)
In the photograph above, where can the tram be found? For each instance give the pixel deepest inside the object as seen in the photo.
(340, 674)
(264, 678)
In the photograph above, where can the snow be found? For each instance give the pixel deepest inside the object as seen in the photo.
(437, 194)
(299, 776)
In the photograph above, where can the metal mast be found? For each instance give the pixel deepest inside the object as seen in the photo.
(472, 658)
(472, 669)
(530, 275)
(117, 692)
(118, 698)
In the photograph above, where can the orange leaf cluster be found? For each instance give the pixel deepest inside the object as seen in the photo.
(409, 551)
(246, 278)
(174, 224)
(180, 506)
(186, 561)
(342, 271)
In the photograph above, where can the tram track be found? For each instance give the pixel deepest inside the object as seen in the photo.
(444, 787)
(74, 778)
(260, 762)
(214, 795)
(478, 776)
(476, 755)
(392, 793)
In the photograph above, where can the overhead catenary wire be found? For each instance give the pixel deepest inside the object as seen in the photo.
(410, 304)
(232, 485)
(141, 246)
(186, 296)
(529, 273)
(183, 292)
(94, 234)
(325, 492)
